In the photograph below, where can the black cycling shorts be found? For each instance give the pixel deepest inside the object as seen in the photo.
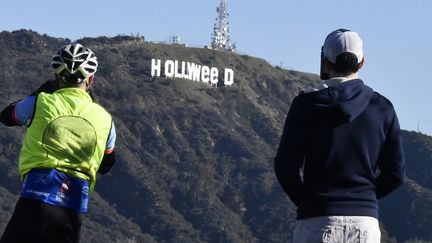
(37, 222)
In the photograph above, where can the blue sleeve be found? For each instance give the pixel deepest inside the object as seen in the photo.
(290, 155)
(391, 162)
(112, 138)
(24, 110)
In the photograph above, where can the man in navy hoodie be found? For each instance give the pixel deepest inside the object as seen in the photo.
(340, 151)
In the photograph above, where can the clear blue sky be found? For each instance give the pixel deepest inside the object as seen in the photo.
(397, 35)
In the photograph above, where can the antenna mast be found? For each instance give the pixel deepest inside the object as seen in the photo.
(221, 37)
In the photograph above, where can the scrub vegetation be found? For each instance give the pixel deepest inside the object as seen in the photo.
(195, 162)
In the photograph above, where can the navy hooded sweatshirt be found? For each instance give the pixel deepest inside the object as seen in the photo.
(340, 151)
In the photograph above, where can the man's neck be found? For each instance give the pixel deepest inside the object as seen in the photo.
(336, 79)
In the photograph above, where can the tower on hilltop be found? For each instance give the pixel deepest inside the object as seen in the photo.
(221, 37)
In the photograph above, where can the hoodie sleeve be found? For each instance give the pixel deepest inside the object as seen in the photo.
(391, 161)
(289, 158)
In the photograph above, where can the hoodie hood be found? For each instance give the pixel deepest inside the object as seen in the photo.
(349, 98)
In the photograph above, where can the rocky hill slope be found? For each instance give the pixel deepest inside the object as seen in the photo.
(195, 161)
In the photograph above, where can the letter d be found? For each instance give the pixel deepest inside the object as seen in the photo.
(228, 77)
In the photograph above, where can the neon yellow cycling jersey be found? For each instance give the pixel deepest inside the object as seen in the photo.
(68, 132)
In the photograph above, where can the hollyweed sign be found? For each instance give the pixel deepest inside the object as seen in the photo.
(191, 71)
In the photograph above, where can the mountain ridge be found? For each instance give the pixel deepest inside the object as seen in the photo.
(194, 161)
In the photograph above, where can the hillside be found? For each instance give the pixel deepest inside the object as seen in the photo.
(195, 162)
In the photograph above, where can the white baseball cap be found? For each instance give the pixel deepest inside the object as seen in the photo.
(340, 41)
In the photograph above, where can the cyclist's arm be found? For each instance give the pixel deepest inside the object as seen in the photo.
(108, 159)
(19, 113)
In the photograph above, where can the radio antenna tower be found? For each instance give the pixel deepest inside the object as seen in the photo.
(221, 37)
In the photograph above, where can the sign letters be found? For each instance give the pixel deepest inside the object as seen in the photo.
(190, 71)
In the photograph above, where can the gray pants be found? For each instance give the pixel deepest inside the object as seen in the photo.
(337, 229)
